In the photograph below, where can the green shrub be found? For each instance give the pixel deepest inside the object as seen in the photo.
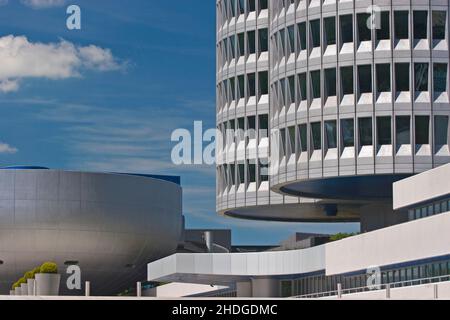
(29, 275)
(21, 281)
(48, 267)
(341, 236)
(15, 285)
(36, 271)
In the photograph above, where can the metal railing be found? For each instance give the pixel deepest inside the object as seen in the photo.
(385, 286)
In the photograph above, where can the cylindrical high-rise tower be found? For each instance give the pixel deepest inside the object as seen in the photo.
(357, 98)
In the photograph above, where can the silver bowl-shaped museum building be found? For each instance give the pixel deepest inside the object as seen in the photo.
(110, 225)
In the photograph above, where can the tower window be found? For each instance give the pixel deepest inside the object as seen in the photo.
(316, 135)
(421, 76)
(402, 77)
(346, 28)
(365, 78)
(403, 130)
(440, 77)
(364, 33)
(348, 132)
(365, 132)
(422, 130)
(440, 131)
(330, 30)
(315, 33)
(401, 24)
(383, 77)
(439, 23)
(315, 84)
(384, 133)
(420, 24)
(347, 80)
(331, 134)
(383, 31)
(330, 82)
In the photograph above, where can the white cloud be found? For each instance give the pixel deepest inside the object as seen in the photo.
(41, 4)
(6, 148)
(24, 59)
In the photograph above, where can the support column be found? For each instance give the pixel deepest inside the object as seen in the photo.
(265, 288)
(244, 289)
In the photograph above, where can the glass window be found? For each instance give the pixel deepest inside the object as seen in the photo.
(346, 28)
(251, 171)
(241, 6)
(303, 131)
(302, 35)
(263, 40)
(315, 84)
(241, 169)
(315, 33)
(330, 30)
(348, 132)
(330, 82)
(422, 130)
(241, 85)
(291, 132)
(263, 83)
(440, 131)
(251, 84)
(440, 77)
(232, 42)
(262, 4)
(421, 76)
(384, 133)
(439, 23)
(403, 130)
(365, 78)
(401, 24)
(383, 31)
(283, 141)
(365, 132)
(420, 24)
(437, 208)
(232, 89)
(383, 77)
(251, 42)
(291, 37)
(316, 135)
(241, 43)
(302, 83)
(444, 206)
(251, 5)
(291, 82)
(364, 33)
(331, 135)
(347, 80)
(402, 77)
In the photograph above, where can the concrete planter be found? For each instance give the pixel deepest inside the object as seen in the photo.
(47, 284)
(12, 292)
(24, 289)
(31, 283)
(18, 291)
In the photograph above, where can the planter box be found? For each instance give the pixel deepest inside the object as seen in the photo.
(47, 284)
(24, 289)
(12, 292)
(18, 291)
(31, 283)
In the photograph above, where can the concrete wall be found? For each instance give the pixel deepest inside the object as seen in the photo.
(424, 238)
(423, 187)
(179, 290)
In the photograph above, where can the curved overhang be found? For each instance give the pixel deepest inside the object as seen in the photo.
(361, 188)
(314, 211)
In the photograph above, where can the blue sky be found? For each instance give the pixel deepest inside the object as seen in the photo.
(107, 97)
